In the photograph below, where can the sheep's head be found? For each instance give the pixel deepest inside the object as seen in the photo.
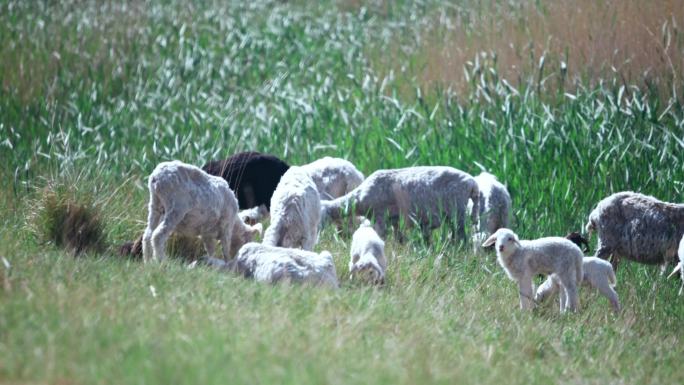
(506, 241)
(367, 270)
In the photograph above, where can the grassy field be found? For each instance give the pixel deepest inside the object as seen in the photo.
(565, 103)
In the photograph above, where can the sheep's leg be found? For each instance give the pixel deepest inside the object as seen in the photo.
(161, 234)
(226, 238)
(546, 289)
(460, 223)
(526, 293)
(153, 218)
(570, 288)
(608, 292)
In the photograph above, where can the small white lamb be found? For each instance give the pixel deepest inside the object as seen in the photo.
(186, 200)
(334, 177)
(295, 212)
(277, 264)
(522, 260)
(598, 274)
(367, 256)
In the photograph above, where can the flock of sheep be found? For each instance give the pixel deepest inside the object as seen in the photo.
(301, 200)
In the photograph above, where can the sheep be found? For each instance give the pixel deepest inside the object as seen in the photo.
(367, 255)
(254, 215)
(272, 264)
(636, 227)
(522, 260)
(416, 194)
(186, 200)
(495, 203)
(252, 175)
(295, 212)
(334, 177)
(597, 273)
(680, 266)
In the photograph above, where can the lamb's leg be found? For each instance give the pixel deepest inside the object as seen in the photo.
(546, 289)
(153, 218)
(608, 292)
(161, 234)
(526, 293)
(570, 287)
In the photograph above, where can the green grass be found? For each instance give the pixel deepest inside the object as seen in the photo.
(94, 94)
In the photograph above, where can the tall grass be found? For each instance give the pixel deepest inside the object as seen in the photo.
(106, 90)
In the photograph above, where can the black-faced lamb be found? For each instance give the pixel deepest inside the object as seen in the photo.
(271, 264)
(252, 175)
(186, 200)
(522, 260)
(637, 227)
(295, 212)
(334, 177)
(367, 255)
(422, 195)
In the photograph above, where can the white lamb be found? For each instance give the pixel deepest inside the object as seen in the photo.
(186, 200)
(367, 256)
(276, 264)
(522, 260)
(598, 274)
(295, 212)
(333, 177)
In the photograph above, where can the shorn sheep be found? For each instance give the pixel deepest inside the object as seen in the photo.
(421, 195)
(253, 176)
(637, 227)
(334, 177)
(522, 260)
(597, 273)
(367, 255)
(295, 212)
(188, 201)
(271, 264)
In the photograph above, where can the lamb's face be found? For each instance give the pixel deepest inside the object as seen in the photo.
(505, 241)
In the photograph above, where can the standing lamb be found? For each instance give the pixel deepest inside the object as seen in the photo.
(276, 264)
(680, 266)
(495, 203)
(423, 195)
(522, 260)
(637, 227)
(597, 273)
(188, 201)
(367, 257)
(334, 177)
(295, 212)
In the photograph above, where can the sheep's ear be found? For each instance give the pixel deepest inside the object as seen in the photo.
(490, 241)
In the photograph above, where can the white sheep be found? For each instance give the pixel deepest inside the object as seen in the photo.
(597, 273)
(422, 195)
(367, 255)
(295, 212)
(522, 260)
(637, 227)
(495, 203)
(334, 177)
(276, 264)
(186, 200)
(254, 215)
(680, 266)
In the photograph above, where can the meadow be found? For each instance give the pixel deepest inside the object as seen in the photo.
(565, 103)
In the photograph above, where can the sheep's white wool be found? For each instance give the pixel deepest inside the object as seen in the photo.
(637, 227)
(188, 201)
(522, 260)
(276, 264)
(367, 255)
(495, 203)
(295, 212)
(334, 177)
(597, 273)
(421, 195)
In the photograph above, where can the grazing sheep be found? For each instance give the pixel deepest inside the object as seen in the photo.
(680, 266)
(495, 203)
(276, 264)
(423, 195)
(252, 175)
(334, 177)
(367, 256)
(295, 212)
(637, 227)
(597, 273)
(254, 215)
(188, 201)
(522, 260)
